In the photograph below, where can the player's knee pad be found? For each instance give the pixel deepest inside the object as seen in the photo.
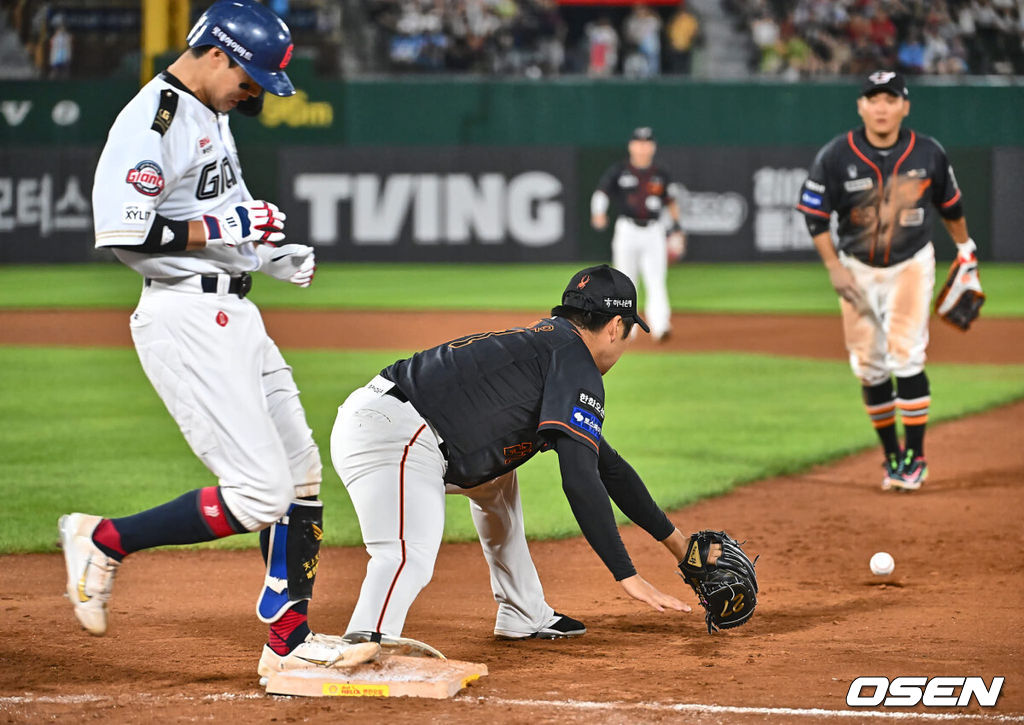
(292, 551)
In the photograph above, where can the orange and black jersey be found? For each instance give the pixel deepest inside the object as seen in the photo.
(496, 398)
(885, 199)
(638, 193)
(499, 398)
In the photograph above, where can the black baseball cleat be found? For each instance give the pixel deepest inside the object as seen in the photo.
(560, 627)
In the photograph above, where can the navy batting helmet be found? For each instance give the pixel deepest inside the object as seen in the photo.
(252, 36)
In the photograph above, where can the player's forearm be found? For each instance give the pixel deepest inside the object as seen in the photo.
(591, 507)
(629, 493)
(673, 211)
(826, 250)
(676, 544)
(957, 229)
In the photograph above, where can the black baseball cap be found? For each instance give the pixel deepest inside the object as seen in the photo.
(603, 289)
(642, 133)
(885, 81)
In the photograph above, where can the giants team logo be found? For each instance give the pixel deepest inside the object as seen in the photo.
(584, 281)
(146, 178)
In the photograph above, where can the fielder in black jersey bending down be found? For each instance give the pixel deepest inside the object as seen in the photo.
(460, 418)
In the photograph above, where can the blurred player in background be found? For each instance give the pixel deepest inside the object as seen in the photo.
(641, 247)
(885, 183)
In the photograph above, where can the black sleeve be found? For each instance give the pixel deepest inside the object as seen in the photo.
(815, 197)
(630, 494)
(590, 505)
(945, 190)
(175, 232)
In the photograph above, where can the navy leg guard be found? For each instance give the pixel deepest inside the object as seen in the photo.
(292, 554)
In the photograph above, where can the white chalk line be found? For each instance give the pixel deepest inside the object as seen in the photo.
(732, 710)
(693, 708)
(142, 697)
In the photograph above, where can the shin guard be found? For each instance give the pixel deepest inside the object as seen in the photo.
(293, 553)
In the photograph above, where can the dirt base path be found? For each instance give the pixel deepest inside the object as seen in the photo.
(998, 341)
(183, 643)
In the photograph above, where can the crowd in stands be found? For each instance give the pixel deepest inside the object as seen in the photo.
(798, 38)
(541, 38)
(531, 38)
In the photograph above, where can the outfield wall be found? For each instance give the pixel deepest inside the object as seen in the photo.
(441, 170)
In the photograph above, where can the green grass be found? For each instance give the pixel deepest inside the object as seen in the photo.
(760, 288)
(83, 430)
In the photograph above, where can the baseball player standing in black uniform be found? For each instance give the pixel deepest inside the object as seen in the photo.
(641, 246)
(461, 418)
(885, 183)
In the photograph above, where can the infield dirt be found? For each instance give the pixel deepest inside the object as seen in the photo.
(184, 642)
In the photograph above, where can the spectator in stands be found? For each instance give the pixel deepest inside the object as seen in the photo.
(910, 56)
(60, 49)
(643, 30)
(603, 47)
(683, 34)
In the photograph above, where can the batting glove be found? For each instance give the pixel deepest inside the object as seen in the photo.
(966, 252)
(250, 221)
(293, 263)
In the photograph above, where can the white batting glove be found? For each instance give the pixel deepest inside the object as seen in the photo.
(250, 221)
(965, 252)
(295, 263)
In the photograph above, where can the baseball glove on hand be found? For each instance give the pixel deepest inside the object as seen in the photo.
(961, 297)
(726, 589)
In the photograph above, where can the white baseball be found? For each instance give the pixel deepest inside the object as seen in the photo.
(882, 563)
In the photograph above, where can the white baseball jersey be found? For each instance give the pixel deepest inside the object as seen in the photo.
(206, 351)
(170, 154)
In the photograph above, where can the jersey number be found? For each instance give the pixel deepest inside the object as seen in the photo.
(214, 182)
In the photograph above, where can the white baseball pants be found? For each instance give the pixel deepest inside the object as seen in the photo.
(888, 334)
(230, 391)
(390, 460)
(641, 253)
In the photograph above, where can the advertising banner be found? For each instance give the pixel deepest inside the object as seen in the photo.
(465, 204)
(45, 204)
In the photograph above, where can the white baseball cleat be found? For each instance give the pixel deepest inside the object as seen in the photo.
(90, 571)
(319, 651)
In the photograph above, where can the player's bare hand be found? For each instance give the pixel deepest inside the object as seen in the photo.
(250, 221)
(643, 591)
(675, 243)
(599, 221)
(845, 285)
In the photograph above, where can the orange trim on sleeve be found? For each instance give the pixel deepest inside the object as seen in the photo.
(952, 201)
(568, 428)
(808, 210)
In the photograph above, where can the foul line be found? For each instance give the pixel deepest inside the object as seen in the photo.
(692, 708)
(730, 710)
(81, 699)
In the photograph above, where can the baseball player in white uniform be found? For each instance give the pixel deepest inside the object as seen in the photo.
(642, 247)
(170, 202)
